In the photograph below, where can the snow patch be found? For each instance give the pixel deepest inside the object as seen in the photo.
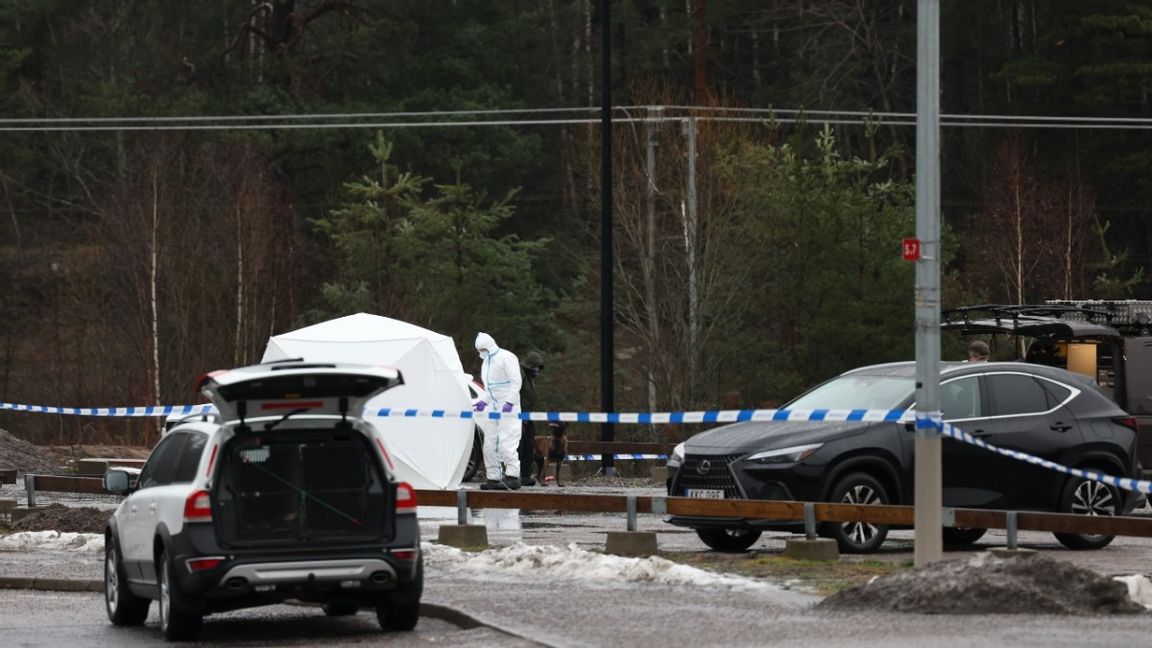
(1139, 589)
(573, 563)
(52, 541)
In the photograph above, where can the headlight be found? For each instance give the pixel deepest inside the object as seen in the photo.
(677, 457)
(785, 455)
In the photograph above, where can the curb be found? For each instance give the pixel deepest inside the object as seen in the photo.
(51, 584)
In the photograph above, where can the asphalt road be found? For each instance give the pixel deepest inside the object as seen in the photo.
(538, 607)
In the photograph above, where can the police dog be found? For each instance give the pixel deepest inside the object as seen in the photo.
(551, 449)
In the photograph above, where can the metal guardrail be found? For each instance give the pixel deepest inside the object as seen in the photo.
(632, 505)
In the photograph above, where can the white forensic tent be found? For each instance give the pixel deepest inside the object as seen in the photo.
(429, 453)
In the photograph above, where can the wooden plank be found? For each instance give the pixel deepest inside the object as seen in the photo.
(733, 508)
(62, 484)
(873, 513)
(618, 447)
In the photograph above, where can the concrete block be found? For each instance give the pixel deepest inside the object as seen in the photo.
(659, 474)
(464, 536)
(90, 467)
(640, 544)
(20, 512)
(815, 549)
(1005, 552)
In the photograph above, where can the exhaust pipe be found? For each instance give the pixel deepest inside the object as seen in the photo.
(236, 583)
(381, 577)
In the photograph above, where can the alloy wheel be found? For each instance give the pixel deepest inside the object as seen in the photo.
(165, 597)
(861, 532)
(111, 579)
(1093, 498)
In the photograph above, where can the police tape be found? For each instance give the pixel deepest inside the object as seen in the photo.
(137, 410)
(922, 421)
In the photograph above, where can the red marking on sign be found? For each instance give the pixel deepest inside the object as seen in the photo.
(911, 249)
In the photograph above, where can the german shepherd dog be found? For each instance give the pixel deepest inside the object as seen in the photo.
(551, 449)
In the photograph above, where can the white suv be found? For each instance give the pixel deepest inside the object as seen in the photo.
(286, 493)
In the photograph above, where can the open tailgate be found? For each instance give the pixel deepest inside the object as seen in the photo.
(270, 390)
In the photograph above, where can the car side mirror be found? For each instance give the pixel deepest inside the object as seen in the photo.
(909, 426)
(118, 482)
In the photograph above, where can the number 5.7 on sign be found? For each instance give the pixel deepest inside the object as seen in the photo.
(911, 249)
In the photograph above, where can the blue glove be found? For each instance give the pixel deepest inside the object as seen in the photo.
(479, 406)
(507, 408)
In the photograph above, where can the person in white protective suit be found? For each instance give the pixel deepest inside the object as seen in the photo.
(500, 373)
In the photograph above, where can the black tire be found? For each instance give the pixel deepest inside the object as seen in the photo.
(732, 540)
(1088, 497)
(857, 537)
(176, 621)
(476, 458)
(339, 609)
(962, 537)
(401, 610)
(124, 608)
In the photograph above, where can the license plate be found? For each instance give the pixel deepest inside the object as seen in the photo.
(704, 493)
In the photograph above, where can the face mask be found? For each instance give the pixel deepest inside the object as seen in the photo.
(483, 353)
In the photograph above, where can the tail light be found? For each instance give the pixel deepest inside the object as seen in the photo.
(202, 564)
(1128, 422)
(405, 498)
(198, 507)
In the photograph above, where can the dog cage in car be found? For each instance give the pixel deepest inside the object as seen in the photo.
(287, 487)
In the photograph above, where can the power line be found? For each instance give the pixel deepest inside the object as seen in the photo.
(397, 120)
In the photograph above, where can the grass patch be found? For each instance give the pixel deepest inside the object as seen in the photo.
(815, 576)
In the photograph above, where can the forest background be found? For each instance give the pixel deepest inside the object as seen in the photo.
(443, 167)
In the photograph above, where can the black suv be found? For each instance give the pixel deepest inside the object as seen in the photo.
(284, 493)
(1043, 411)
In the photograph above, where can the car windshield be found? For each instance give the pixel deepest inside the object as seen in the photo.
(857, 392)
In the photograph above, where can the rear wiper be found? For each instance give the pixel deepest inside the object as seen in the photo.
(272, 424)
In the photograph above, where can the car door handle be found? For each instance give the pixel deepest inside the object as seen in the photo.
(1060, 426)
(980, 433)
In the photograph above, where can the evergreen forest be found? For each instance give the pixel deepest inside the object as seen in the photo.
(179, 181)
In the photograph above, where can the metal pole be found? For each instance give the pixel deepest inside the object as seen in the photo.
(929, 533)
(1010, 528)
(607, 399)
(30, 489)
(462, 507)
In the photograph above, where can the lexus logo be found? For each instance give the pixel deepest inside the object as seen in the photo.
(704, 467)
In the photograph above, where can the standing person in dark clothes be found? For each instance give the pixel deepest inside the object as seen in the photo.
(530, 368)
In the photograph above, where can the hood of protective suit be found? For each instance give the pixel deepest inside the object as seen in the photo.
(486, 343)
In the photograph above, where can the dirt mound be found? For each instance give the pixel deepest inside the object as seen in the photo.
(57, 517)
(25, 457)
(989, 585)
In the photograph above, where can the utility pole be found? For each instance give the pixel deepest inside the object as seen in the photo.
(929, 535)
(607, 316)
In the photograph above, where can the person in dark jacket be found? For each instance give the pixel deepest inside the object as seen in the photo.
(530, 368)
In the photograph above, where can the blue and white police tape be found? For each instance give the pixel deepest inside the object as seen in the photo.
(1123, 483)
(133, 410)
(923, 421)
(650, 418)
(623, 456)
